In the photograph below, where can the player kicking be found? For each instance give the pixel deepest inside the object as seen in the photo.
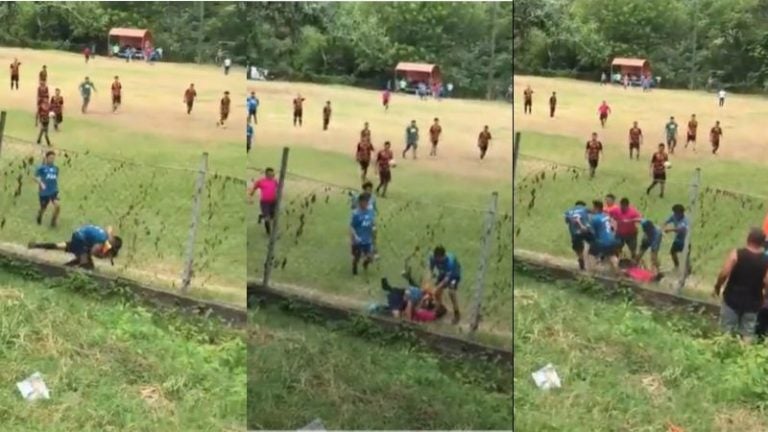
(47, 176)
(362, 227)
(86, 242)
(447, 273)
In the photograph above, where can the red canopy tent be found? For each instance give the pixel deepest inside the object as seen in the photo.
(137, 38)
(427, 73)
(631, 66)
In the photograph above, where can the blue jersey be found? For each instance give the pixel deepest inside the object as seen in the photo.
(681, 227)
(354, 203)
(362, 223)
(92, 235)
(573, 216)
(49, 175)
(249, 131)
(448, 267)
(602, 229)
(252, 103)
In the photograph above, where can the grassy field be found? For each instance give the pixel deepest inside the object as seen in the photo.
(111, 365)
(552, 172)
(299, 371)
(135, 169)
(626, 368)
(431, 201)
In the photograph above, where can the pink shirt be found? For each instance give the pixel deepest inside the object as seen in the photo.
(604, 109)
(624, 224)
(267, 189)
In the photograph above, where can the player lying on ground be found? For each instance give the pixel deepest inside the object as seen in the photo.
(86, 242)
(446, 271)
(412, 302)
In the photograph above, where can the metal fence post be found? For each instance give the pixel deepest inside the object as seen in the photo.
(515, 155)
(477, 303)
(186, 277)
(273, 234)
(2, 130)
(691, 213)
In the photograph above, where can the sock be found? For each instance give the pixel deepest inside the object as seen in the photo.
(581, 264)
(49, 246)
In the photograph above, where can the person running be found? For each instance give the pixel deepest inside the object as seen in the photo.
(484, 141)
(658, 170)
(47, 176)
(189, 97)
(528, 100)
(253, 105)
(385, 97)
(117, 94)
(592, 153)
(577, 220)
(714, 137)
(298, 110)
(44, 121)
(652, 236)
(446, 270)
(224, 105)
(326, 115)
(15, 73)
(85, 92)
(693, 125)
(57, 107)
(604, 111)
(363, 156)
(635, 141)
(248, 136)
(362, 227)
(671, 130)
(626, 217)
(411, 139)
(552, 105)
(678, 224)
(87, 242)
(434, 136)
(604, 244)
(267, 187)
(384, 160)
(745, 276)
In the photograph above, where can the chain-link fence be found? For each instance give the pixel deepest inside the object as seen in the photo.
(719, 218)
(181, 226)
(312, 249)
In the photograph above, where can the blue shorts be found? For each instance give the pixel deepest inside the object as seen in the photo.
(653, 244)
(597, 249)
(362, 249)
(77, 245)
(47, 199)
(579, 240)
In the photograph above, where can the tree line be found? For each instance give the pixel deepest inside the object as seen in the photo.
(689, 43)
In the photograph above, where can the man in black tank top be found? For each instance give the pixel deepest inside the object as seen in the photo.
(746, 273)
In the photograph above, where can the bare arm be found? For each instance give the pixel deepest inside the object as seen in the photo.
(725, 272)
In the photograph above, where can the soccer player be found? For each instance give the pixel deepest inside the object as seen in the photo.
(658, 170)
(714, 136)
(609, 204)
(447, 273)
(671, 130)
(652, 237)
(592, 153)
(528, 100)
(385, 97)
(248, 136)
(693, 125)
(298, 110)
(484, 141)
(267, 187)
(86, 242)
(434, 136)
(224, 109)
(117, 92)
(42, 96)
(383, 160)
(365, 133)
(552, 104)
(43, 75)
(47, 176)
(635, 141)
(57, 106)
(15, 73)
(326, 115)
(577, 220)
(678, 224)
(721, 98)
(604, 244)
(253, 105)
(603, 110)
(411, 139)
(85, 92)
(368, 189)
(189, 97)
(363, 156)
(362, 226)
(44, 120)
(626, 217)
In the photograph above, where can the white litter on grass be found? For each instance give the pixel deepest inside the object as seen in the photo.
(33, 388)
(546, 378)
(316, 424)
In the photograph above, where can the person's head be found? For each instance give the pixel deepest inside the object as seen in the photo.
(717, 123)
(86, 78)
(367, 187)
(387, 145)
(50, 156)
(671, 118)
(580, 203)
(226, 93)
(253, 94)
(485, 128)
(437, 120)
(756, 238)
(363, 200)
(58, 92)
(646, 225)
(678, 210)
(270, 172)
(594, 136)
(634, 124)
(624, 204)
(693, 116)
(554, 94)
(413, 122)
(605, 103)
(597, 206)
(45, 67)
(661, 147)
(191, 85)
(439, 253)
(117, 78)
(610, 199)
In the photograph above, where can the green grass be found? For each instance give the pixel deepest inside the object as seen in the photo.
(544, 190)
(626, 368)
(422, 209)
(97, 354)
(149, 206)
(299, 371)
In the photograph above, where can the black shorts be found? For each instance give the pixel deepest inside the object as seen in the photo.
(385, 176)
(117, 99)
(603, 116)
(268, 209)
(45, 200)
(593, 163)
(298, 113)
(224, 115)
(628, 240)
(634, 145)
(252, 112)
(660, 177)
(691, 137)
(578, 242)
(364, 165)
(677, 247)
(76, 245)
(59, 118)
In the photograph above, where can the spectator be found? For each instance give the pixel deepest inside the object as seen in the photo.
(227, 65)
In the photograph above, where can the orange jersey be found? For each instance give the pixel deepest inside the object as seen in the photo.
(190, 95)
(435, 131)
(593, 149)
(116, 88)
(484, 139)
(634, 135)
(657, 162)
